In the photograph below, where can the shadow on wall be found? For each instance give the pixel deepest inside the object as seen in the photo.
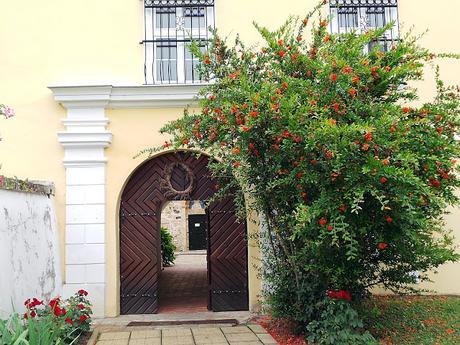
(29, 249)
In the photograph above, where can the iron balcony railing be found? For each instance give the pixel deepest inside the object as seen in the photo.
(170, 27)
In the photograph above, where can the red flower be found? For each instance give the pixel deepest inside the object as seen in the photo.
(304, 196)
(245, 128)
(331, 294)
(236, 150)
(383, 180)
(322, 221)
(392, 129)
(284, 85)
(54, 302)
(439, 130)
(327, 38)
(83, 318)
(352, 92)
(314, 162)
(280, 42)
(329, 154)
(26, 316)
(368, 137)
(236, 164)
(299, 38)
(81, 306)
(254, 113)
(83, 292)
(346, 70)
(342, 294)
(382, 245)
(333, 77)
(385, 162)
(389, 219)
(281, 53)
(298, 139)
(33, 313)
(435, 183)
(355, 79)
(57, 310)
(324, 23)
(299, 175)
(69, 321)
(330, 228)
(405, 110)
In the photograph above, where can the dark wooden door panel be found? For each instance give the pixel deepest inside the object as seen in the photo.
(228, 260)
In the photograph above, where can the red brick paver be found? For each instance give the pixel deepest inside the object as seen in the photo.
(184, 286)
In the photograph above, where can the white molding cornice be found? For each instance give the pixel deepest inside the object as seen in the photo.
(126, 97)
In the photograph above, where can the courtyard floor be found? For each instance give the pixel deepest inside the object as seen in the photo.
(184, 286)
(204, 335)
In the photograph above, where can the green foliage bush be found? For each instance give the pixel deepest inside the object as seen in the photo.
(58, 322)
(167, 247)
(330, 144)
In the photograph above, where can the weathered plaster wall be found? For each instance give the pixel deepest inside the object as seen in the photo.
(29, 249)
(174, 217)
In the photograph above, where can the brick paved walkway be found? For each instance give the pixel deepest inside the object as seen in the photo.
(239, 335)
(184, 286)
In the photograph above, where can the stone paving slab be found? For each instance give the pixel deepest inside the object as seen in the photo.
(207, 335)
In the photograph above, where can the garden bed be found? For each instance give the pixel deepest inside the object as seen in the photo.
(410, 320)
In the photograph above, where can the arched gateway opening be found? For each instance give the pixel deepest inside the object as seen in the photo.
(178, 176)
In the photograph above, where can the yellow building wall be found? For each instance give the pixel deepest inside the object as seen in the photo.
(91, 42)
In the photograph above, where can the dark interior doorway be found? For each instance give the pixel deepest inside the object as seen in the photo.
(197, 232)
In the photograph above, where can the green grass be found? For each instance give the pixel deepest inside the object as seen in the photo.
(416, 320)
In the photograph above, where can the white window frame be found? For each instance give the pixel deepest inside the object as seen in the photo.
(363, 21)
(179, 35)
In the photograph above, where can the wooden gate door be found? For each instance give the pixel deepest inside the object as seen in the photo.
(227, 258)
(177, 176)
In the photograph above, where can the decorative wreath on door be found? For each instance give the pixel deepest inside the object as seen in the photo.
(167, 187)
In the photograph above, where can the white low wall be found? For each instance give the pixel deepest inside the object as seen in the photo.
(29, 249)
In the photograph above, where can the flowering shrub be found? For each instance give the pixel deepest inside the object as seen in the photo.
(352, 178)
(6, 111)
(56, 322)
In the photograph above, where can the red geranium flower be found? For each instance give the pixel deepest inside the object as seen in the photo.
(81, 306)
(342, 294)
(333, 77)
(382, 245)
(331, 294)
(389, 219)
(83, 318)
(322, 221)
(69, 321)
(383, 180)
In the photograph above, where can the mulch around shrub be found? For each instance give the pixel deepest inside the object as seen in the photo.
(281, 330)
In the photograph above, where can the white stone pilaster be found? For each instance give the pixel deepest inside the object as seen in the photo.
(84, 142)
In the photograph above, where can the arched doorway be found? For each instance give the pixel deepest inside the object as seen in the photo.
(178, 176)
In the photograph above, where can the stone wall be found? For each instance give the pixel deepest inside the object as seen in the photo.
(29, 248)
(174, 217)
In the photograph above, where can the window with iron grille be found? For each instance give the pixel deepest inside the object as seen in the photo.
(362, 15)
(170, 27)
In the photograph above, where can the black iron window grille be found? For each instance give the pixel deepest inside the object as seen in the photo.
(170, 27)
(362, 15)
